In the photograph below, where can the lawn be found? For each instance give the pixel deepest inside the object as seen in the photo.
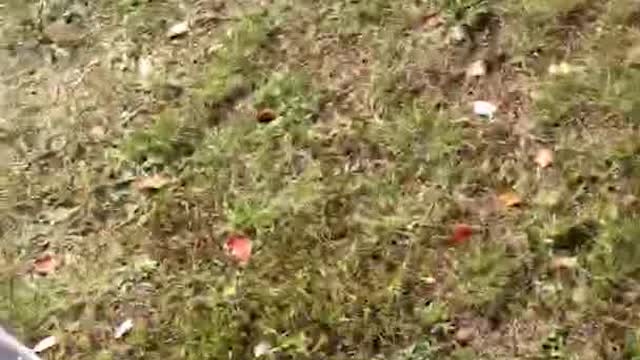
(309, 179)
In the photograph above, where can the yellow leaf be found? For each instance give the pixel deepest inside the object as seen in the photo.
(510, 199)
(153, 182)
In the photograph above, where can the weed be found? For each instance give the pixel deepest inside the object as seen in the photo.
(233, 73)
(164, 142)
(348, 193)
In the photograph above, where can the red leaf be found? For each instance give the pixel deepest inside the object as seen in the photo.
(45, 264)
(238, 247)
(461, 234)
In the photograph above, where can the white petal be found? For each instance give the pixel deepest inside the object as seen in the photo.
(484, 108)
(123, 328)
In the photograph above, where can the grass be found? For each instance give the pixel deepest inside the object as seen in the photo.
(349, 195)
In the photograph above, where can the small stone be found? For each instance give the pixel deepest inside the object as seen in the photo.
(465, 335)
(63, 34)
(477, 68)
(178, 29)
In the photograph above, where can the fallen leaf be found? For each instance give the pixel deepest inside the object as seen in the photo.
(564, 263)
(544, 158)
(153, 182)
(484, 108)
(510, 199)
(431, 21)
(178, 29)
(266, 115)
(46, 343)
(461, 233)
(45, 264)
(123, 328)
(239, 248)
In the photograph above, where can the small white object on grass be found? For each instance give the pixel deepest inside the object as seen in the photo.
(263, 348)
(561, 69)
(457, 34)
(145, 69)
(46, 343)
(477, 68)
(123, 329)
(484, 108)
(178, 29)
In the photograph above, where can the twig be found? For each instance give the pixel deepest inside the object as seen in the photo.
(39, 22)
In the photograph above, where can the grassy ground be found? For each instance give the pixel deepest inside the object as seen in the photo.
(130, 158)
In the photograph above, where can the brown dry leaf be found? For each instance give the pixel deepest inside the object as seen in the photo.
(544, 158)
(266, 115)
(45, 264)
(153, 182)
(510, 199)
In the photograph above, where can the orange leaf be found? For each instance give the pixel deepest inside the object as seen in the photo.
(510, 199)
(461, 234)
(238, 247)
(45, 264)
(153, 182)
(544, 158)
